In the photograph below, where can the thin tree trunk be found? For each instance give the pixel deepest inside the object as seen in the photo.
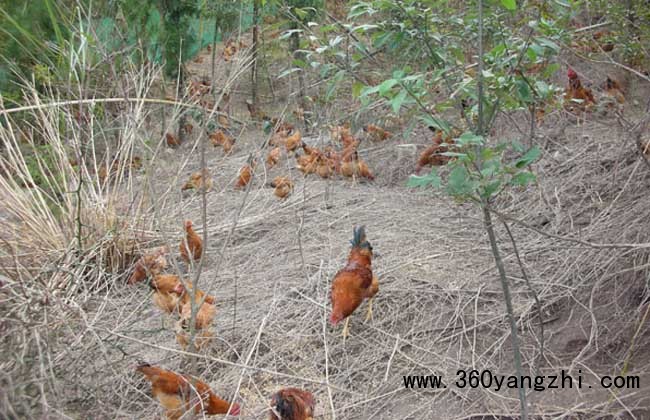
(489, 227)
(295, 46)
(254, 52)
(214, 51)
(179, 94)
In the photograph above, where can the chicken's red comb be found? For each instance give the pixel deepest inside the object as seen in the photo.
(572, 74)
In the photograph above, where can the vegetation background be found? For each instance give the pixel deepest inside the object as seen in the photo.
(525, 252)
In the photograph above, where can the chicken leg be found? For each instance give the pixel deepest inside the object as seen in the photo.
(369, 313)
(346, 328)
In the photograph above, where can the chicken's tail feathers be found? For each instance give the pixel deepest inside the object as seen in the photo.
(359, 237)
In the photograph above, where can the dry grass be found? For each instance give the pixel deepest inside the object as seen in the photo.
(75, 330)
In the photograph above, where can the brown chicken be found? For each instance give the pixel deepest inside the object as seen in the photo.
(202, 337)
(172, 140)
(229, 51)
(192, 244)
(324, 167)
(355, 282)
(179, 394)
(376, 133)
(306, 163)
(220, 138)
(614, 89)
(644, 147)
(292, 404)
(273, 157)
(204, 318)
(199, 180)
(293, 142)
(150, 264)
(206, 312)
(278, 139)
(136, 163)
(245, 175)
(354, 167)
(228, 145)
(576, 96)
(168, 291)
(223, 120)
(110, 171)
(602, 39)
(280, 126)
(217, 138)
(283, 186)
(432, 155)
(199, 88)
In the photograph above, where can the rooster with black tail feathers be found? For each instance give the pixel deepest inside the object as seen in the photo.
(355, 282)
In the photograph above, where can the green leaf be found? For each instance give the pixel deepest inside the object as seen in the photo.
(550, 70)
(460, 182)
(549, 44)
(386, 86)
(523, 91)
(356, 89)
(518, 146)
(531, 156)
(398, 100)
(469, 138)
(438, 123)
(509, 4)
(491, 188)
(300, 13)
(267, 125)
(531, 54)
(490, 168)
(431, 179)
(523, 179)
(299, 63)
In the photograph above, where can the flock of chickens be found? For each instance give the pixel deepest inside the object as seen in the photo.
(353, 284)
(179, 394)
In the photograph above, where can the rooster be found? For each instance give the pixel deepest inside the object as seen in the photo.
(576, 95)
(292, 404)
(179, 394)
(355, 282)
